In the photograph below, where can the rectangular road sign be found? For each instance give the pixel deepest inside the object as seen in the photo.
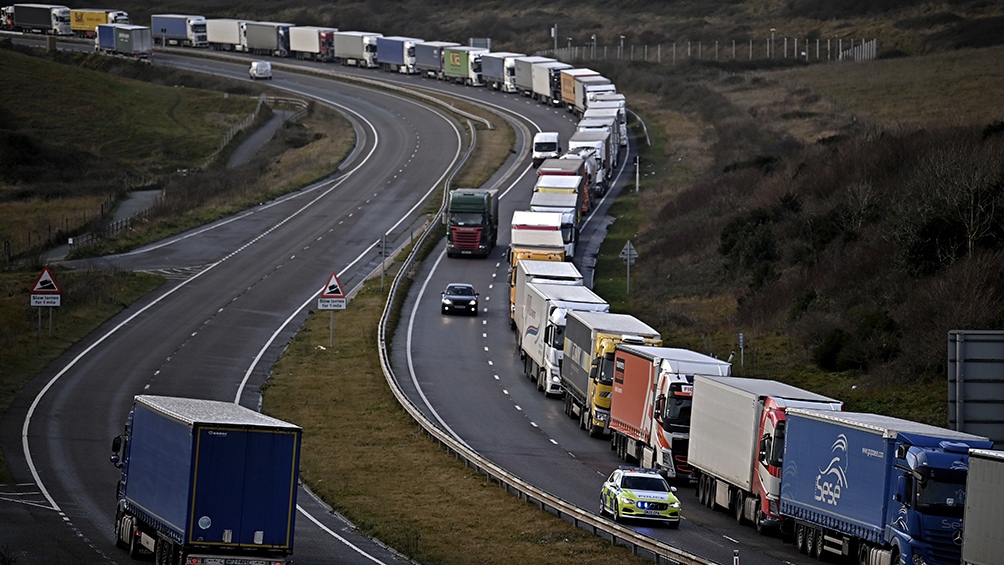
(331, 304)
(45, 300)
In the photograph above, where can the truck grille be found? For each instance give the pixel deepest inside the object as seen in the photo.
(943, 548)
(466, 239)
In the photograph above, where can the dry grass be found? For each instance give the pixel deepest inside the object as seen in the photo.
(951, 88)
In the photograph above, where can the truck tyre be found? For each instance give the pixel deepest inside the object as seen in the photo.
(119, 542)
(758, 520)
(134, 545)
(709, 501)
(810, 541)
(800, 538)
(541, 379)
(739, 500)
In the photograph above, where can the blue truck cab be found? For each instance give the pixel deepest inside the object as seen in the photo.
(204, 481)
(879, 489)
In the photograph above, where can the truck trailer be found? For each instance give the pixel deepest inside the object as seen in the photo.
(737, 431)
(429, 58)
(179, 29)
(878, 489)
(587, 87)
(463, 65)
(604, 150)
(397, 54)
(568, 84)
(357, 48)
(49, 19)
(565, 184)
(84, 22)
(573, 166)
(546, 79)
(587, 369)
(602, 105)
(225, 34)
(524, 73)
(498, 70)
(651, 403)
(983, 537)
(312, 43)
(267, 38)
(472, 222)
(204, 481)
(531, 245)
(541, 311)
(563, 202)
(529, 270)
(123, 39)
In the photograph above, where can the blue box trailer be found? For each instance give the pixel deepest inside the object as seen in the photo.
(397, 54)
(874, 487)
(429, 57)
(104, 39)
(206, 480)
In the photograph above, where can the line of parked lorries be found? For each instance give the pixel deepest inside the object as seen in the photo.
(880, 490)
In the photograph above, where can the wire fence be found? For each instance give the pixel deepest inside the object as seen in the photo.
(778, 48)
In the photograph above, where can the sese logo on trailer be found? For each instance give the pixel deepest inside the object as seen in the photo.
(833, 479)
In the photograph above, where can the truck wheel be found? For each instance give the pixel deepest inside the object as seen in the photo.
(739, 501)
(709, 501)
(800, 538)
(758, 520)
(134, 545)
(119, 542)
(810, 541)
(863, 553)
(541, 377)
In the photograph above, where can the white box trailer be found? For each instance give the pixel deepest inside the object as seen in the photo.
(984, 512)
(547, 81)
(313, 43)
(619, 110)
(225, 34)
(524, 73)
(540, 328)
(357, 48)
(582, 86)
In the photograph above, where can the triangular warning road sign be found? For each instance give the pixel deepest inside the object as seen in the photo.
(333, 289)
(45, 284)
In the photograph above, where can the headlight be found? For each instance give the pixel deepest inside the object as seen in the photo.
(472, 303)
(555, 379)
(624, 499)
(447, 302)
(674, 504)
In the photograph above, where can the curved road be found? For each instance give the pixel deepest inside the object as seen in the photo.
(237, 291)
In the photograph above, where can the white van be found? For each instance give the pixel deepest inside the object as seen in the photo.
(260, 69)
(546, 145)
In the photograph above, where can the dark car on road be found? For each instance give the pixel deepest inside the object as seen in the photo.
(460, 297)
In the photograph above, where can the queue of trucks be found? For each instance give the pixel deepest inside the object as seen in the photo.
(877, 489)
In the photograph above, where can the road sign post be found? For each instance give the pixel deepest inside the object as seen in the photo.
(332, 298)
(629, 254)
(45, 293)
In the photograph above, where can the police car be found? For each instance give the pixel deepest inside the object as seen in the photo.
(634, 492)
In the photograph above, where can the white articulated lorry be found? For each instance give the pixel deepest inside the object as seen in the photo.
(540, 328)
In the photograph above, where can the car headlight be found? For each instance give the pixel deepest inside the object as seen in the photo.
(624, 499)
(674, 504)
(472, 303)
(447, 302)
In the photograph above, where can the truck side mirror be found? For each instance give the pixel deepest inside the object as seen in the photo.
(116, 447)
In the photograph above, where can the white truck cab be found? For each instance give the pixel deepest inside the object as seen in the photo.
(546, 145)
(260, 69)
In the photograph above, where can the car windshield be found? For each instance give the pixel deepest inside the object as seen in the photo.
(644, 483)
(460, 291)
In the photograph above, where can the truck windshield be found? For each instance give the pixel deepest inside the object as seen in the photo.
(567, 233)
(545, 146)
(467, 219)
(199, 28)
(677, 415)
(941, 497)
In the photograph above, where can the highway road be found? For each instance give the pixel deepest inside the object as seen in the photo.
(239, 288)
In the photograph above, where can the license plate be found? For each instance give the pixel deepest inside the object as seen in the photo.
(653, 513)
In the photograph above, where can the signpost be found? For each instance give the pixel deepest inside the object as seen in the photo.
(45, 293)
(332, 298)
(629, 254)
